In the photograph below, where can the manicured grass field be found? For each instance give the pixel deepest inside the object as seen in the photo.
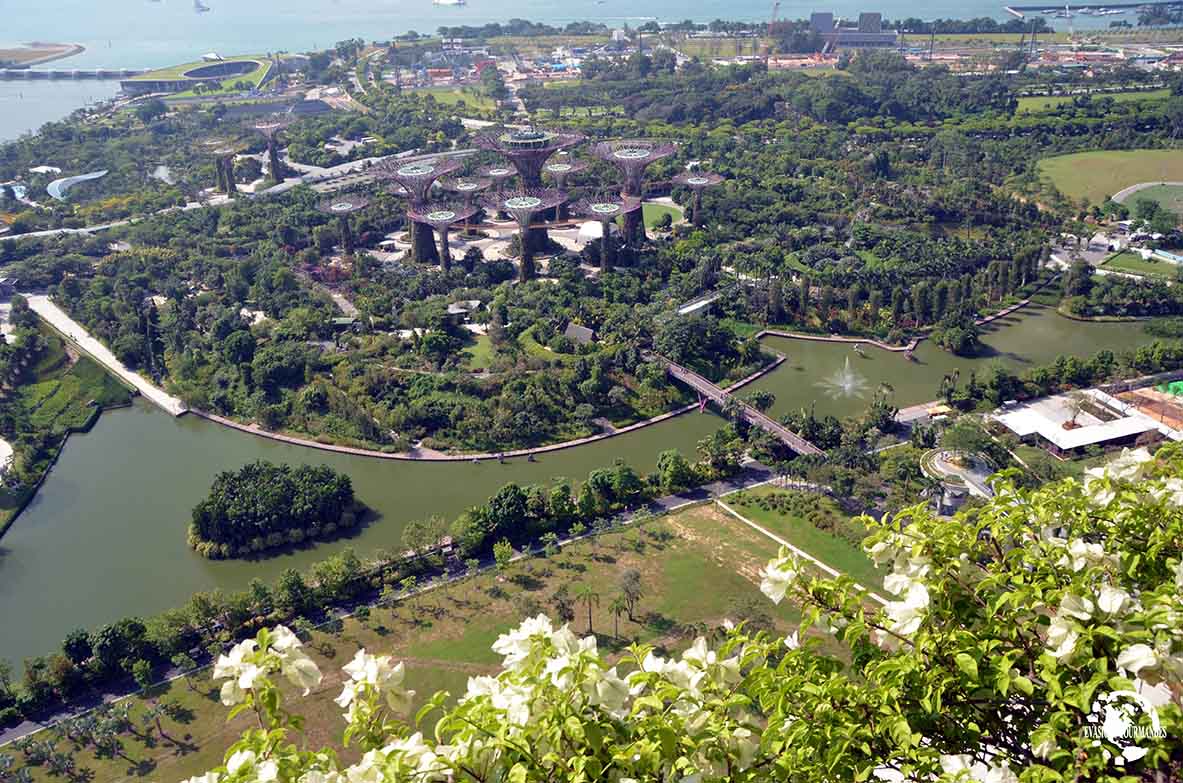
(1096, 175)
(698, 566)
(454, 96)
(1040, 103)
(653, 213)
(1135, 265)
(480, 352)
(800, 527)
(1169, 197)
(62, 394)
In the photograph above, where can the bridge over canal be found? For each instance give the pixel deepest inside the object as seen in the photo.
(708, 391)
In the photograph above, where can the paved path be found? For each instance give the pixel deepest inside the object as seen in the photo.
(1121, 195)
(75, 333)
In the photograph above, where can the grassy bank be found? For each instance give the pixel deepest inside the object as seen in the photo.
(1039, 103)
(1134, 264)
(698, 566)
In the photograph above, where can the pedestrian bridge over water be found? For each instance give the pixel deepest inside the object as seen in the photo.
(708, 391)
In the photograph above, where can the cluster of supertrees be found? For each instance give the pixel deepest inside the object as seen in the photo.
(224, 150)
(526, 153)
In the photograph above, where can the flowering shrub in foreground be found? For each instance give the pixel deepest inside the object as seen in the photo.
(1038, 639)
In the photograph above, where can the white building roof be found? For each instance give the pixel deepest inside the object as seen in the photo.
(1046, 417)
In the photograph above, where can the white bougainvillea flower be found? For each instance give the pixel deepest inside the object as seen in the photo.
(1061, 638)
(1112, 600)
(1129, 465)
(1075, 606)
(213, 777)
(267, 771)
(379, 673)
(1138, 657)
(778, 577)
(515, 644)
(607, 690)
(240, 759)
(1083, 554)
(239, 670)
(906, 615)
(792, 641)
(1169, 491)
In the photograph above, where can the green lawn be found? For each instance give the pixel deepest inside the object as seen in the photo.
(1074, 468)
(479, 352)
(1169, 197)
(454, 96)
(797, 518)
(1039, 103)
(653, 213)
(1099, 174)
(698, 567)
(1134, 264)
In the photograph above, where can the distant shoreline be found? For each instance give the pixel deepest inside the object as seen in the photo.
(53, 52)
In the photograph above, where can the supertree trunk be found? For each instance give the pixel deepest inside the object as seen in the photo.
(526, 269)
(696, 214)
(228, 177)
(277, 169)
(346, 236)
(423, 248)
(634, 228)
(606, 247)
(445, 250)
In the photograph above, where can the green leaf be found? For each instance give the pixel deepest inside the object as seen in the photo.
(1023, 685)
(967, 664)
(518, 774)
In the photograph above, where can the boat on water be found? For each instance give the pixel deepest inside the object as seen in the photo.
(200, 7)
(448, 2)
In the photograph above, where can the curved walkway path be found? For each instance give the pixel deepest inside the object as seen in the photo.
(1121, 195)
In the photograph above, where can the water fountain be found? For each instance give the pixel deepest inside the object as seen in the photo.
(846, 382)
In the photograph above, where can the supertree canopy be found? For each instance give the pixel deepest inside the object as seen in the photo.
(341, 207)
(632, 157)
(559, 170)
(528, 149)
(522, 205)
(697, 181)
(417, 180)
(442, 217)
(607, 210)
(499, 175)
(271, 128)
(223, 151)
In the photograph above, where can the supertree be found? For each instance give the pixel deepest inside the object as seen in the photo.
(607, 209)
(697, 181)
(271, 128)
(468, 188)
(417, 180)
(528, 149)
(442, 217)
(558, 171)
(522, 205)
(342, 207)
(632, 157)
(223, 152)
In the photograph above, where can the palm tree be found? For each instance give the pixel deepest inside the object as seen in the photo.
(618, 607)
(587, 595)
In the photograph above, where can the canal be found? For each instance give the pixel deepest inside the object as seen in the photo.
(105, 536)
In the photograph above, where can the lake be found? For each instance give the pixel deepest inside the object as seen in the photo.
(105, 536)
